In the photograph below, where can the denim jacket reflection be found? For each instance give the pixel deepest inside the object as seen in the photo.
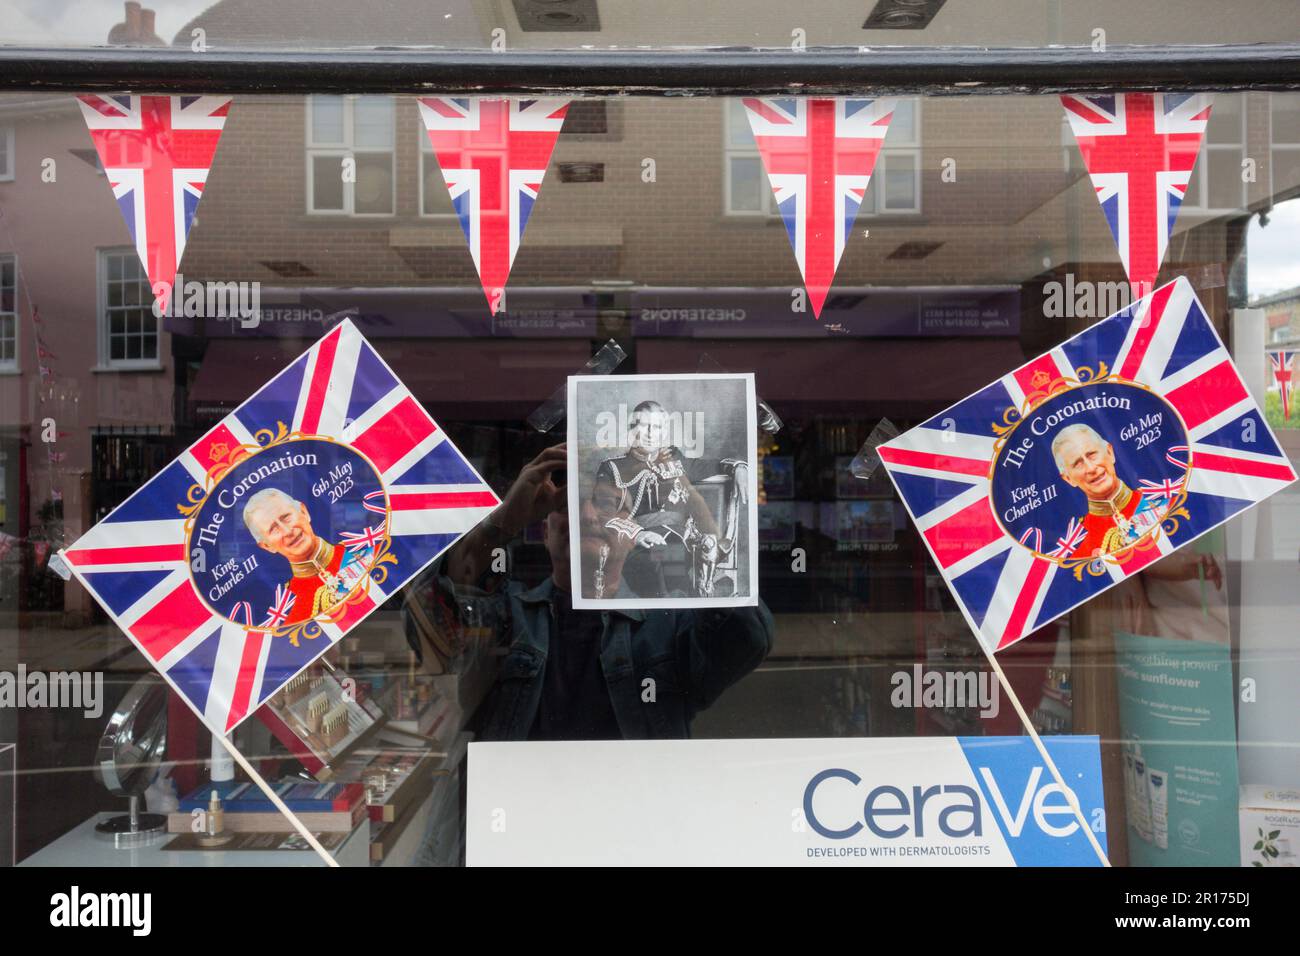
(691, 655)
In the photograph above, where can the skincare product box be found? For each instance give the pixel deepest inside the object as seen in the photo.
(1270, 826)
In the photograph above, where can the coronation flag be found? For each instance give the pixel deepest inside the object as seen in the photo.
(1085, 465)
(1140, 149)
(156, 152)
(1282, 365)
(493, 154)
(281, 529)
(819, 154)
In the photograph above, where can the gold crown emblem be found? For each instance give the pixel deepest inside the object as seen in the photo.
(1040, 379)
(218, 450)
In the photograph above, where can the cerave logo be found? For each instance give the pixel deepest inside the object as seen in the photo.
(861, 801)
(992, 797)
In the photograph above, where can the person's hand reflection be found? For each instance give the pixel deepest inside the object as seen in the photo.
(1187, 565)
(534, 494)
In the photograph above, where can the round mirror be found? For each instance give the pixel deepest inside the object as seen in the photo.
(129, 752)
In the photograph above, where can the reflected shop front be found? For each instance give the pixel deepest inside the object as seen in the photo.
(892, 470)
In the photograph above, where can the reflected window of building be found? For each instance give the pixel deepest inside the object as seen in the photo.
(1217, 185)
(8, 314)
(894, 189)
(1285, 139)
(434, 198)
(350, 155)
(6, 153)
(128, 333)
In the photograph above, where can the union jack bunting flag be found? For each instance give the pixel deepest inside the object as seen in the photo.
(493, 155)
(281, 529)
(156, 152)
(1281, 363)
(1085, 465)
(819, 154)
(1140, 149)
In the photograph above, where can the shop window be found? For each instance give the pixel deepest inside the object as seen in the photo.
(895, 186)
(6, 153)
(359, 128)
(128, 333)
(8, 314)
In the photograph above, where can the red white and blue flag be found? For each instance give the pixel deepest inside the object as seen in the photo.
(1140, 150)
(493, 154)
(156, 152)
(181, 565)
(819, 154)
(1023, 528)
(1281, 364)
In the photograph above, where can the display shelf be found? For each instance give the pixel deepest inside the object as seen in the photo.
(83, 847)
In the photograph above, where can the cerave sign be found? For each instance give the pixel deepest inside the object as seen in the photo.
(938, 801)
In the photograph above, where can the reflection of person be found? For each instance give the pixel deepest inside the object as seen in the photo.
(586, 675)
(1116, 516)
(648, 497)
(1180, 596)
(282, 526)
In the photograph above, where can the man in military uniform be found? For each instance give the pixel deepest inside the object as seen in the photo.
(1117, 516)
(282, 525)
(649, 496)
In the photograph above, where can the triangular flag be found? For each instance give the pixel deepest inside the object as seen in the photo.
(1281, 363)
(819, 154)
(156, 152)
(1139, 149)
(493, 154)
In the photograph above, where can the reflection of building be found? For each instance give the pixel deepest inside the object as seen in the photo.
(604, 244)
(1281, 316)
(107, 388)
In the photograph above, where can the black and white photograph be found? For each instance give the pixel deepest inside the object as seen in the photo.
(663, 510)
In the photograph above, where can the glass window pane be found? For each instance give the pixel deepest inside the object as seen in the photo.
(374, 186)
(327, 183)
(327, 120)
(1286, 169)
(902, 127)
(1286, 118)
(1225, 184)
(373, 121)
(1192, 197)
(436, 200)
(934, 307)
(900, 181)
(738, 131)
(1225, 119)
(747, 184)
